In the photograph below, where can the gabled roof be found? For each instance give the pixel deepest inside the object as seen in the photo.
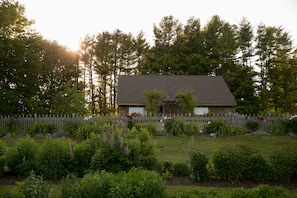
(208, 90)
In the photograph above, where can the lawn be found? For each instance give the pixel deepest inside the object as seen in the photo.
(176, 149)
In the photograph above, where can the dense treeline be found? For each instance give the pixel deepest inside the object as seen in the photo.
(41, 76)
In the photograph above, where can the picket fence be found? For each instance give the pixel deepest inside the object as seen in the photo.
(22, 121)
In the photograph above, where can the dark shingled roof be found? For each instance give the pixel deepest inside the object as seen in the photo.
(208, 90)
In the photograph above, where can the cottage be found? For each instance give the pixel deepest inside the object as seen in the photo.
(211, 93)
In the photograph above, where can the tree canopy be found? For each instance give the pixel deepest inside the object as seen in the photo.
(258, 63)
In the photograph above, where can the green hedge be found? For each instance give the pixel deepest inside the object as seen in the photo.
(134, 183)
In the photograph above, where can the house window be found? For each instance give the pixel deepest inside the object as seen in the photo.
(136, 110)
(201, 110)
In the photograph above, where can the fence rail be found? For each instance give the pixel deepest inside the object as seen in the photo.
(23, 121)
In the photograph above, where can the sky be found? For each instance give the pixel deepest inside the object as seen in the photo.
(69, 21)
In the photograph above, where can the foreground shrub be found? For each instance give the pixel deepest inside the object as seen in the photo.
(80, 162)
(283, 162)
(218, 126)
(252, 125)
(53, 158)
(134, 183)
(109, 158)
(257, 168)
(95, 185)
(266, 191)
(138, 183)
(198, 167)
(21, 156)
(39, 128)
(141, 148)
(180, 169)
(3, 147)
(233, 163)
(34, 187)
(69, 186)
(121, 149)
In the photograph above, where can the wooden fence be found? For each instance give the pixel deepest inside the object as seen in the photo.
(58, 121)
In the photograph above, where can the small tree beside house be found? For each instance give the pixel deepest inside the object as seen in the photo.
(187, 101)
(153, 101)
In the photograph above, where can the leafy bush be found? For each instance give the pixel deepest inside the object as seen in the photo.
(138, 183)
(257, 168)
(179, 127)
(70, 186)
(2, 131)
(85, 129)
(218, 126)
(80, 162)
(40, 128)
(53, 158)
(290, 125)
(180, 169)
(277, 129)
(34, 187)
(150, 127)
(283, 163)
(21, 157)
(164, 168)
(198, 167)
(266, 191)
(174, 126)
(232, 163)
(238, 130)
(2, 156)
(252, 125)
(109, 158)
(70, 128)
(13, 127)
(95, 185)
(134, 183)
(121, 149)
(141, 148)
(145, 139)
